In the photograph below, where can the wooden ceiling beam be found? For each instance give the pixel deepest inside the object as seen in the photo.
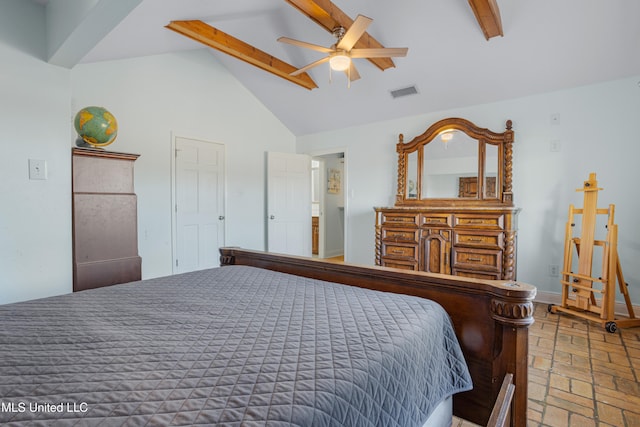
(329, 16)
(488, 16)
(219, 40)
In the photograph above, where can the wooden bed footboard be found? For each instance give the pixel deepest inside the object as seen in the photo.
(491, 319)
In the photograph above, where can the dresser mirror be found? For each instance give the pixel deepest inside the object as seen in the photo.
(456, 161)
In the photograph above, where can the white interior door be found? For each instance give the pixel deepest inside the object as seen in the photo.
(199, 208)
(289, 203)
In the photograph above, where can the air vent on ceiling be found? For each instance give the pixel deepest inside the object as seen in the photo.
(405, 91)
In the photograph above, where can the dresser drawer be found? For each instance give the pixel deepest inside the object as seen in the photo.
(399, 218)
(435, 220)
(400, 235)
(399, 264)
(477, 259)
(479, 221)
(485, 275)
(401, 251)
(479, 239)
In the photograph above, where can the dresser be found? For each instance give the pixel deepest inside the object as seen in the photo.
(464, 242)
(454, 211)
(105, 230)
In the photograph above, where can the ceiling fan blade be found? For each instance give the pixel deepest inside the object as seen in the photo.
(210, 36)
(306, 67)
(355, 31)
(379, 53)
(305, 44)
(352, 73)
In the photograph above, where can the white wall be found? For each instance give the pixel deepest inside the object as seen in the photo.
(598, 131)
(186, 94)
(154, 98)
(35, 216)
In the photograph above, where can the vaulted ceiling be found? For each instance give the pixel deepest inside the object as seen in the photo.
(452, 60)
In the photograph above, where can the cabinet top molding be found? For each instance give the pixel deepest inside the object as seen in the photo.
(93, 152)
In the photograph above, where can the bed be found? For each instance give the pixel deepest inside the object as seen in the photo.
(491, 319)
(264, 340)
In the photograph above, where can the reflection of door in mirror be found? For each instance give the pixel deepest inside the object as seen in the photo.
(491, 171)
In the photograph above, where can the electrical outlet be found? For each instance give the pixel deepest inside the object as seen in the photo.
(555, 119)
(554, 270)
(37, 169)
(555, 146)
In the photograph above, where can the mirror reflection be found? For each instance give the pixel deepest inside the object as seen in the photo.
(450, 166)
(491, 171)
(412, 175)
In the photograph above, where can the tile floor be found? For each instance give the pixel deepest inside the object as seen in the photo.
(580, 375)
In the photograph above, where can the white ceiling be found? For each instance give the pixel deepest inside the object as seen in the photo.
(547, 45)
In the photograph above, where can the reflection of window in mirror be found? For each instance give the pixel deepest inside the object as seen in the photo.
(315, 188)
(445, 161)
(491, 171)
(412, 175)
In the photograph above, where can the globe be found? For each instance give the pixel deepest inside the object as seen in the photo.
(96, 126)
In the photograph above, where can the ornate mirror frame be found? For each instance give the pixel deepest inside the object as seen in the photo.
(503, 141)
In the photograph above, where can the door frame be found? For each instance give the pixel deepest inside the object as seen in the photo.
(345, 189)
(174, 200)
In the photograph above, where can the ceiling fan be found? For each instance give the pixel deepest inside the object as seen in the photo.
(341, 53)
(330, 17)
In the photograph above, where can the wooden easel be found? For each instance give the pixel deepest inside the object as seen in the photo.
(578, 292)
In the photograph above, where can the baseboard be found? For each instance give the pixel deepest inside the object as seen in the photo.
(545, 297)
(333, 253)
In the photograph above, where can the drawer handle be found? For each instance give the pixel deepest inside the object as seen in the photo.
(476, 221)
(396, 252)
(474, 259)
(474, 240)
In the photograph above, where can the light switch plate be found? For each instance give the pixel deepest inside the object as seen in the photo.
(37, 169)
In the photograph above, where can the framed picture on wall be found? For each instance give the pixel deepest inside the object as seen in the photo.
(333, 181)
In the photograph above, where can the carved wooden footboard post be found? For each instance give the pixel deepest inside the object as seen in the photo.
(515, 316)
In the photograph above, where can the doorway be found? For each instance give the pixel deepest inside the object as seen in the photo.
(328, 176)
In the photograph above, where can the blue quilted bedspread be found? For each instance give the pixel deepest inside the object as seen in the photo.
(236, 346)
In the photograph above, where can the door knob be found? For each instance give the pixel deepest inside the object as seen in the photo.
(272, 217)
(221, 217)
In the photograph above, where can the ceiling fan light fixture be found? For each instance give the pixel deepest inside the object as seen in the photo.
(446, 136)
(340, 61)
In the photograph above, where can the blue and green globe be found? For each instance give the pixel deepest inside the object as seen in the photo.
(96, 126)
